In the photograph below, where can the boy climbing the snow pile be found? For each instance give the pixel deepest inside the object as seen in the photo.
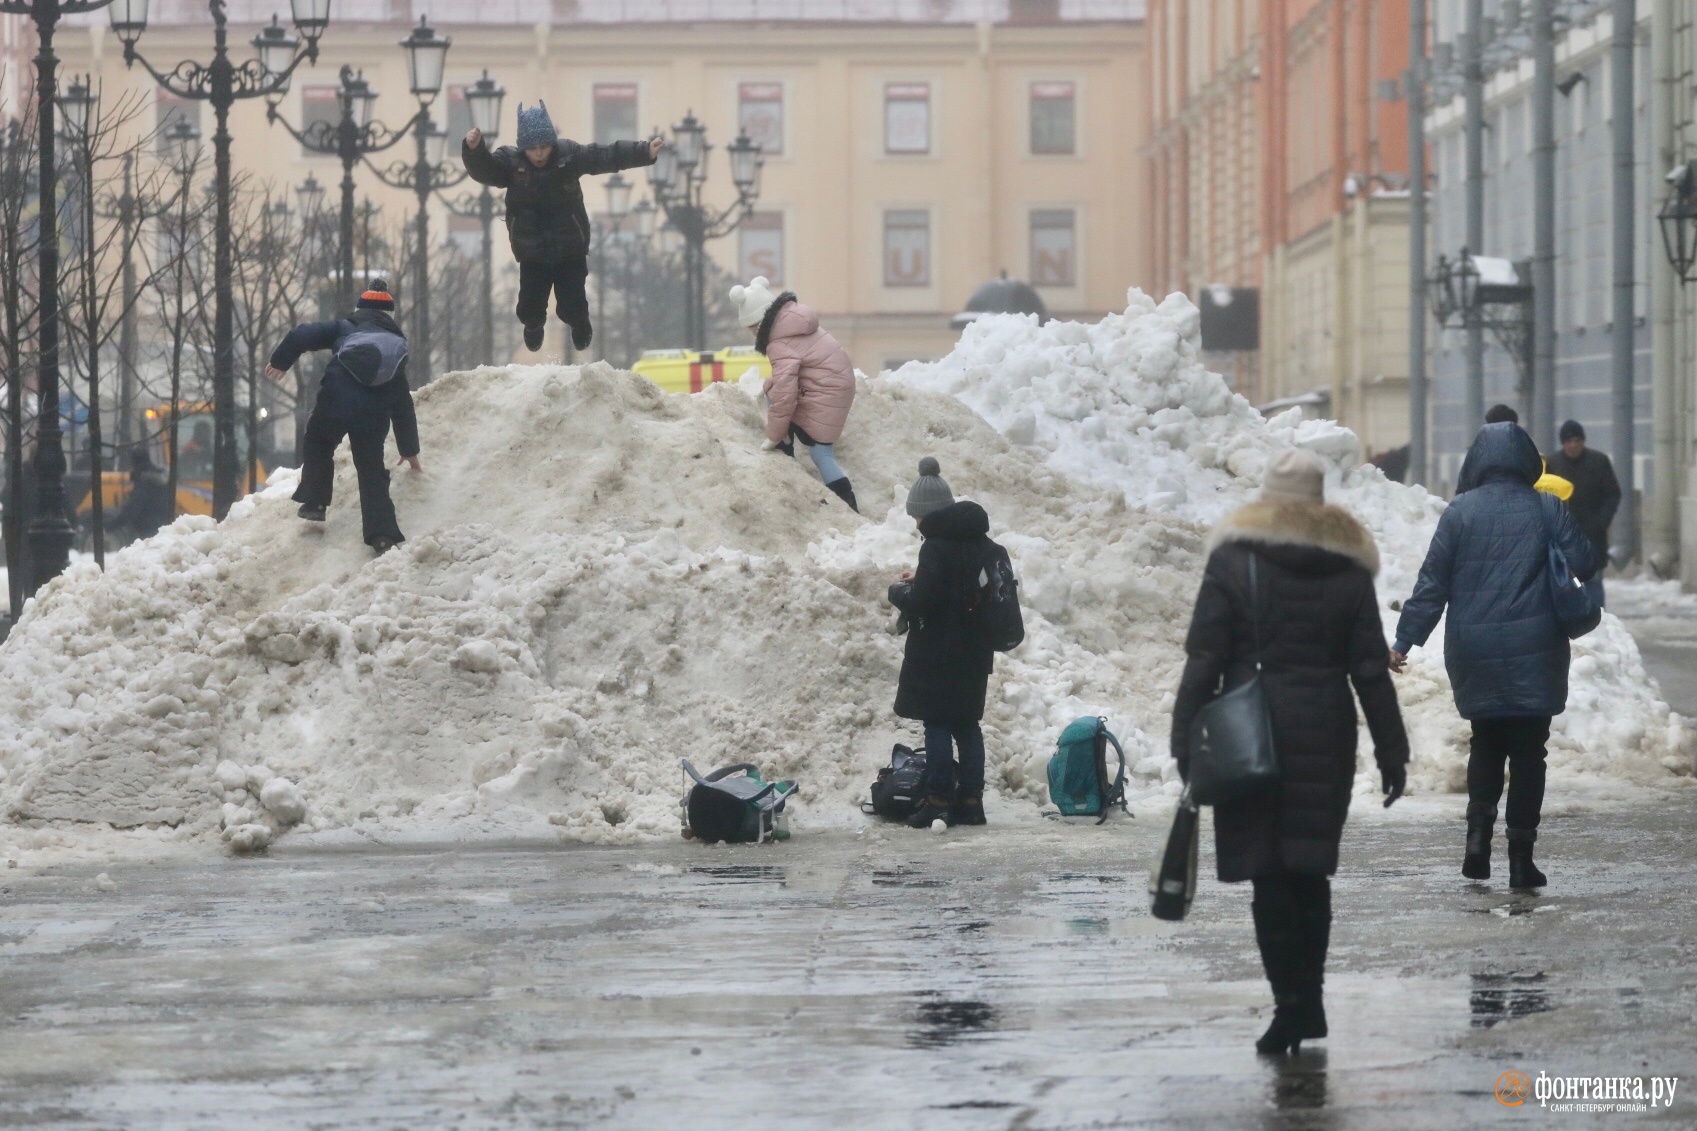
(546, 218)
(812, 384)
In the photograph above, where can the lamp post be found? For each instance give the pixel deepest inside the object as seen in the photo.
(1678, 220)
(223, 83)
(427, 55)
(483, 102)
(351, 137)
(618, 207)
(76, 112)
(642, 217)
(677, 179)
(50, 534)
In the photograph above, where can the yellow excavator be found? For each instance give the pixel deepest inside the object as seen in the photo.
(194, 454)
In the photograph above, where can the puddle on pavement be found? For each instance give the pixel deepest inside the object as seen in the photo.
(1299, 1082)
(903, 878)
(1506, 997)
(740, 873)
(939, 1022)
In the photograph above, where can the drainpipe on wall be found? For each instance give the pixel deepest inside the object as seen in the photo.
(1415, 86)
(1663, 543)
(1473, 81)
(1624, 534)
(1543, 406)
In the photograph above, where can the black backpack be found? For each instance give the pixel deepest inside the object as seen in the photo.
(900, 788)
(993, 606)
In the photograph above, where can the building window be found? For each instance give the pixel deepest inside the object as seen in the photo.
(169, 109)
(1054, 248)
(466, 233)
(907, 248)
(1053, 118)
(319, 105)
(907, 117)
(615, 112)
(760, 247)
(459, 115)
(760, 115)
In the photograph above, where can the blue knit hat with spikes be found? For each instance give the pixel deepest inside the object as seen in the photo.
(535, 126)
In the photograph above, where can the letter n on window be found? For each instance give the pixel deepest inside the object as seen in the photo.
(907, 248)
(761, 247)
(1054, 248)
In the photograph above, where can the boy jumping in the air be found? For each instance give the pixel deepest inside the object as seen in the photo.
(546, 220)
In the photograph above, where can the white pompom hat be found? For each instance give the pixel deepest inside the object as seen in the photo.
(753, 300)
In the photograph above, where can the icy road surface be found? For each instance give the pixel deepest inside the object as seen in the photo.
(982, 979)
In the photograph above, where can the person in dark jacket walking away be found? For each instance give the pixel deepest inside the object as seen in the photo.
(1596, 491)
(1504, 649)
(149, 504)
(364, 390)
(547, 222)
(947, 668)
(1317, 617)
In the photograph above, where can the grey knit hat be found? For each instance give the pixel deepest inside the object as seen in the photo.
(536, 127)
(1295, 476)
(929, 492)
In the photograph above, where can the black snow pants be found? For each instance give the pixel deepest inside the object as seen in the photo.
(1293, 927)
(565, 280)
(1518, 744)
(323, 435)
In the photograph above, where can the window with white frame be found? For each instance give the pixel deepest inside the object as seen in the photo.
(1054, 248)
(1054, 119)
(907, 117)
(760, 247)
(760, 115)
(615, 112)
(907, 247)
(169, 109)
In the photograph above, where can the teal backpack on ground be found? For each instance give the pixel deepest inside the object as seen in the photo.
(1079, 783)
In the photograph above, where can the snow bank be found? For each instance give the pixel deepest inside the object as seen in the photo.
(602, 578)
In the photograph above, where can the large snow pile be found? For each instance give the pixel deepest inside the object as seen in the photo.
(602, 578)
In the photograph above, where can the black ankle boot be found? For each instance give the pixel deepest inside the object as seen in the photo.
(968, 810)
(1481, 819)
(844, 491)
(1281, 957)
(935, 808)
(1522, 873)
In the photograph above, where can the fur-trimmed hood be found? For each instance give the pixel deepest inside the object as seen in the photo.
(1300, 525)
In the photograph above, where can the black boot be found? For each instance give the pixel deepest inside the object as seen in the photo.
(1523, 875)
(1481, 819)
(1279, 956)
(582, 333)
(312, 512)
(844, 491)
(968, 810)
(935, 808)
(1311, 973)
(533, 337)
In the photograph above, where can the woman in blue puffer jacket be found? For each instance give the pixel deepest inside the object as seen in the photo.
(1504, 649)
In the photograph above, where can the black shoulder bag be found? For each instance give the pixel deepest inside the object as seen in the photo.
(1231, 739)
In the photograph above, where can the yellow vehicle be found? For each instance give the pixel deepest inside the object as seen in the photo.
(194, 477)
(686, 371)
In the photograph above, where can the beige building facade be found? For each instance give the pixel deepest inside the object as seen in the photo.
(910, 157)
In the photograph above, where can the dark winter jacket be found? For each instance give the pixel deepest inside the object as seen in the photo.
(1488, 564)
(340, 396)
(546, 218)
(1320, 633)
(1596, 495)
(149, 505)
(946, 668)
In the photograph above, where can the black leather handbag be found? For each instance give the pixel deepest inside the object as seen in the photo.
(1172, 882)
(1231, 739)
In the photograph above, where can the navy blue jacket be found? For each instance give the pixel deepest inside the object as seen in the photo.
(344, 399)
(1505, 651)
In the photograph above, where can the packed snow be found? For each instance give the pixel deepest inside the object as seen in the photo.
(602, 578)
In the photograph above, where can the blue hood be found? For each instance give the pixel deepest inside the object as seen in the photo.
(1500, 450)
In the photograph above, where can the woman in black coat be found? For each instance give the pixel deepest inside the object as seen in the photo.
(947, 667)
(1319, 633)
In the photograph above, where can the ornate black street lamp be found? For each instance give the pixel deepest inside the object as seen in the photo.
(350, 138)
(677, 179)
(427, 56)
(618, 207)
(1678, 220)
(50, 534)
(223, 83)
(483, 103)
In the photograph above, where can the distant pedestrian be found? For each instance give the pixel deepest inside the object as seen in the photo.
(1313, 609)
(149, 504)
(1548, 484)
(811, 388)
(364, 390)
(547, 222)
(1506, 652)
(947, 666)
(1596, 491)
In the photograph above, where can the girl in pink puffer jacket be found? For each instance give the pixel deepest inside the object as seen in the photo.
(812, 383)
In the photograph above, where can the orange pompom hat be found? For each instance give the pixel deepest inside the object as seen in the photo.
(377, 297)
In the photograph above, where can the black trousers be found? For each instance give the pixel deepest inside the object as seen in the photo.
(564, 280)
(1293, 926)
(1517, 744)
(323, 436)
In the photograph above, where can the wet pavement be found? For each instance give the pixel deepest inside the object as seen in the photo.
(989, 978)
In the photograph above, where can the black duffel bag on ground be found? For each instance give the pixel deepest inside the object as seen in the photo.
(900, 788)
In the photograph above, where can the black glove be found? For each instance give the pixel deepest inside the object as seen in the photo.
(1393, 780)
